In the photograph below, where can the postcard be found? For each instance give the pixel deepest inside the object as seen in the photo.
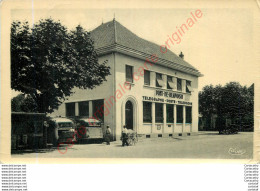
(129, 82)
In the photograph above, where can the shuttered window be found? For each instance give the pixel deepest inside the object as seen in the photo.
(84, 108)
(147, 77)
(159, 80)
(98, 109)
(147, 112)
(171, 83)
(179, 114)
(158, 113)
(188, 114)
(189, 89)
(70, 109)
(169, 113)
(129, 73)
(179, 84)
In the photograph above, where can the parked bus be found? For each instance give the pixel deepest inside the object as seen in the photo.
(64, 130)
(88, 128)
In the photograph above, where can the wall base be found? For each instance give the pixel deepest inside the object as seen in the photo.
(166, 135)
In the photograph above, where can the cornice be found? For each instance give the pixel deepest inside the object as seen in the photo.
(141, 55)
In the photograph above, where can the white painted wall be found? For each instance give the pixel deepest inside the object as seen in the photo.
(138, 90)
(115, 85)
(104, 91)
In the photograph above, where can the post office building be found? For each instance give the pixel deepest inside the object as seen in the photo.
(152, 92)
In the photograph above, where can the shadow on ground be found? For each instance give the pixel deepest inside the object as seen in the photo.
(45, 150)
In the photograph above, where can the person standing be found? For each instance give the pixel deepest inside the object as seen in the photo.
(124, 136)
(108, 134)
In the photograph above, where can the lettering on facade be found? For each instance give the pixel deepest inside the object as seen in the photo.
(184, 103)
(161, 100)
(146, 98)
(168, 94)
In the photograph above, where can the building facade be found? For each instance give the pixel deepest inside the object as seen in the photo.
(152, 92)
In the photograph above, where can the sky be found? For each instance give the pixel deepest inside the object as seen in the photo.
(219, 44)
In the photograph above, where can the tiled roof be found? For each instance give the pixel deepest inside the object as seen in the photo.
(114, 33)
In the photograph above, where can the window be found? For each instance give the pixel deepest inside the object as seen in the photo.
(188, 87)
(159, 80)
(170, 83)
(98, 109)
(147, 112)
(179, 84)
(179, 114)
(158, 113)
(169, 113)
(83, 108)
(147, 77)
(129, 73)
(188, 114)
(70, 109)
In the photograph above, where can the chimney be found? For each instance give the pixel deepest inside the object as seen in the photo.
(181, 55)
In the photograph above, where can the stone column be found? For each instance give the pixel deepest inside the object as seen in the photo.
(77, 109)
(184, 118)
(191, 120)
(174, 117)
(164, 118)
(164, 78)
(90, 109)
(153, 116)
(175, 83)
(183, 86)
(152, 79)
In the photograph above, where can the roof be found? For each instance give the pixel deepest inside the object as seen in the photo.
(27, 113)
(113, 33)
(90, 120)
(62, 120)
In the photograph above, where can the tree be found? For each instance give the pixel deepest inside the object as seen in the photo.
(232, 102)
(23, 103)
(209, 100)
(47, 62)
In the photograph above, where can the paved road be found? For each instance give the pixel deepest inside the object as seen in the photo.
(205, 145)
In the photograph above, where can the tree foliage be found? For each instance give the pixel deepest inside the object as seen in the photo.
(48, 61)
(23, 103)
(232, 101)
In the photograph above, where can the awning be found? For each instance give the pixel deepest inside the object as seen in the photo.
(172, 85)
(160, 82)
(190, 88)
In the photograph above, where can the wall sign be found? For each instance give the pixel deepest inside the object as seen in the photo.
(168, 94)
(184, 103)
(159, 127)
(162, 100)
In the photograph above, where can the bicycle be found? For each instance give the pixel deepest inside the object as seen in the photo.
(132, 138)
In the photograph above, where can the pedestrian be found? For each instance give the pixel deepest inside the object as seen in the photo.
(108, 134)
(124, 136)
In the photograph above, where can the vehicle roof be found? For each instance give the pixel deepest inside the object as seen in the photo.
(89, 120)
(61, 119)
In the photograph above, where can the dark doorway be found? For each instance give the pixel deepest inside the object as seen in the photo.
(129, 115)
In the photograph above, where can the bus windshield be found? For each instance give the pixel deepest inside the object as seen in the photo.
(92, 124)
(65, 124)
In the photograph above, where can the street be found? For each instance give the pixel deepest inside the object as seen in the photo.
(207, 145)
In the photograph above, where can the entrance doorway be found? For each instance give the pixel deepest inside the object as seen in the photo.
(129, 115)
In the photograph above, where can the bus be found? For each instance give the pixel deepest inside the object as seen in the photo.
(89, 128)
(64, 130)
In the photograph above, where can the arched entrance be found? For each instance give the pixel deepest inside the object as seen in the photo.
(129, 115)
